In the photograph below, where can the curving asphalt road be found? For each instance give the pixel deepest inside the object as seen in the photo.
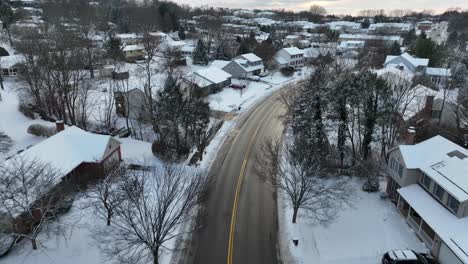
(238, 222)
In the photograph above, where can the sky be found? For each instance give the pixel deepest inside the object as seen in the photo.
(333, 6)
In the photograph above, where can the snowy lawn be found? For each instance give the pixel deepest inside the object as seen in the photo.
(76, 244)
(360, 234)
(13, 122)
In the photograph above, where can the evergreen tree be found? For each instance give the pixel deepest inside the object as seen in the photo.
(114, 49)
(426, 48)
(222, 51)
(395, 49)
(200, 55)
(181, 33)
(243, 48)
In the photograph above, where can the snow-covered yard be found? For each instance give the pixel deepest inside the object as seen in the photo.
(13, 122)
(359, 235)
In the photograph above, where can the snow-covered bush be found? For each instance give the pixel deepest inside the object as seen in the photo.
(5, 142)
(41, 131)
(24, 108)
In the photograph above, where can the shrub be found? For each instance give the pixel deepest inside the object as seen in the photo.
(5, 142)
(27, 110)
(41, 131)
(287, 71)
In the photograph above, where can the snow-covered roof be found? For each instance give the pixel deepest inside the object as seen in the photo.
(438, 72)
(451, 229)
(69, 148)
(7, 62)
(213, 74)
(187, 49)
(311, 53)
(403, 26)
(291, 37)
(133, 47)
(127, 36)
(405, 75)
(251, 57)
(280, 59)
(402, 254)
(293, 51)
(435, 158)
(220, 63)
(369, 37)
(425, 22)
(414, 61)
(336, 25)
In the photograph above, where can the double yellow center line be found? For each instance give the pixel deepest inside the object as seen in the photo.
(238, 189)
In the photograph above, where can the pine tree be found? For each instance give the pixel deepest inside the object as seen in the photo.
(222, 52)
(243, 48)
(395, 49)
(200, 55)
(114, 48)
(181, 33)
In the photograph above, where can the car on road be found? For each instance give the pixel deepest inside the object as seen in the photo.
(237, 86)
(407, 257)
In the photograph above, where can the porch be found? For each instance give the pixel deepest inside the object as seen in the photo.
(417, 223)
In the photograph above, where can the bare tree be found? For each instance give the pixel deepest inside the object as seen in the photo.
(303, 186)
(28, 197)
(104, 195)
(156, 201)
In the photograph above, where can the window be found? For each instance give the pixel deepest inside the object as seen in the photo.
(453, 203)
(439, 192)
(400, 170)
(426, 181)
(436, 113)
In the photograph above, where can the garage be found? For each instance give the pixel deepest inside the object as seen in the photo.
(446, 256)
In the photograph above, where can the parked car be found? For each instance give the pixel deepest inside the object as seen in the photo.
(237, 86)
(264, 74)
(253, 78)
(407, 257)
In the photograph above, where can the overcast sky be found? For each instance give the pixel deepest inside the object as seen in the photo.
(334, 6)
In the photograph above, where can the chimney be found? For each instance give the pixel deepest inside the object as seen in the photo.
(429, 104)
(410, 135)
(60, 125)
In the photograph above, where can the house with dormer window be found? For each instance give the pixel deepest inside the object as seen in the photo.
(429, 183)
(244, 66)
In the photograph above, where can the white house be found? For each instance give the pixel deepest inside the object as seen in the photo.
(211, 79)
(135, 51)
(387, 40)
(429, 181)
(417, 66)
(291, 40)
(293, 57)
(9, 65)
(345, 26)
(351, 45)
(390, 28)
(244, 65)
(129, 38)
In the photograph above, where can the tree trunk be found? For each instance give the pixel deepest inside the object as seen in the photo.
(155, 256)
(294, 218)
(34, 244)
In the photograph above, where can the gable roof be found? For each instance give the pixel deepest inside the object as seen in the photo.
(434, 158)
(410, 59)
(251, 57)
(213, 75)
(69, 148)
(293, 51)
